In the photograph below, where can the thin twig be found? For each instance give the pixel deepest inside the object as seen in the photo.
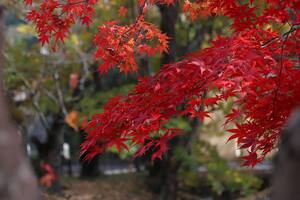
(286, 35)
(292, 29)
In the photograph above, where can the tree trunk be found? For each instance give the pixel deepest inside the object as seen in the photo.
(54, 157)
(169, 16)
(89, 169)
(163, 173)
(286, 183)
(16, 178)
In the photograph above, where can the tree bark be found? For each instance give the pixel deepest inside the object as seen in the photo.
(55, 142)
(165, 172)
(286, 183)
(16, 178)
(169, 16)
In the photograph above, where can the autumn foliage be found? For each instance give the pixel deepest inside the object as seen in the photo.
(257, 66)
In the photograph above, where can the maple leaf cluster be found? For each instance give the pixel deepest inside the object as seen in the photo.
(54, 18)
(249, 74)
(119, 45)
(257, 66)
(152, 2)
(199, 9)
(245, 15)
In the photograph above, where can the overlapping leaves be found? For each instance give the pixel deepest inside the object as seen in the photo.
(256, 66)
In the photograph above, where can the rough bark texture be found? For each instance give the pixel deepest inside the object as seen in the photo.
(16, 178)
(287, 176)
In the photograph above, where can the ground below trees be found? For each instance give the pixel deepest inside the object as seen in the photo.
(122, 187)
(115, 187)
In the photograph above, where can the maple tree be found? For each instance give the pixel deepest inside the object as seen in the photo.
(257, 66)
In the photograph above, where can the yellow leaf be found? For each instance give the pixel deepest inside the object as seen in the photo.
(26, 29)
(74, 39)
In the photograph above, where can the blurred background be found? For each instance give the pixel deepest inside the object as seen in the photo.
(52, 94)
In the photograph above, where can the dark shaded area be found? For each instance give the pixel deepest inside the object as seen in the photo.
(286, 175)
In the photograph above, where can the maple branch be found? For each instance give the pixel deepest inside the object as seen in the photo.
(195, 124)
(286, 35)
(85, 67)
(74, 3)
(35, 103)
(61, 100)
(292, 29)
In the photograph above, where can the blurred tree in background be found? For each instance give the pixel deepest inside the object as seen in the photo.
(16, 178)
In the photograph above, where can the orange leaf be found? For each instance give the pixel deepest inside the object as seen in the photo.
(72, 119)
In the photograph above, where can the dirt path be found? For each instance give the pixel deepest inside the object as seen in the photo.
(117, 187)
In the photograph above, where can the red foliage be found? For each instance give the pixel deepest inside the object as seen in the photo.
(256, 66)
(123, 11)
(118, 45)
(54, 19)
(49, 176)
